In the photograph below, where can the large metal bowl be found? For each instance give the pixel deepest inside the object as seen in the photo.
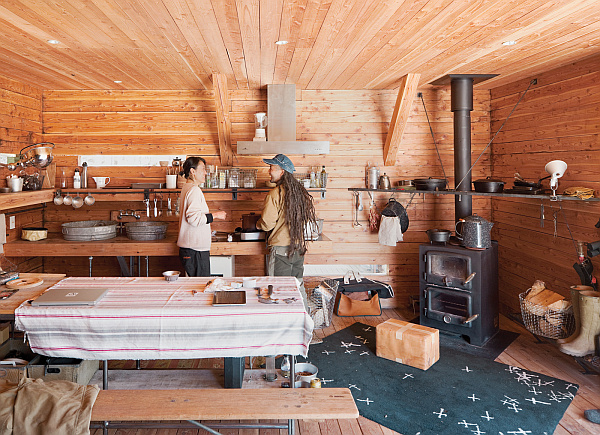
(38, 154)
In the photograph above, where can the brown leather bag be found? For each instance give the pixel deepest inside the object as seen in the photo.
(347, 307)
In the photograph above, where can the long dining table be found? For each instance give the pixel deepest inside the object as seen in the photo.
(143, 318)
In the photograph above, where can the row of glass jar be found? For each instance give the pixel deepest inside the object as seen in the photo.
(230, 178)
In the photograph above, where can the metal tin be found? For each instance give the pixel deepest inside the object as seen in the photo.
(315, 383)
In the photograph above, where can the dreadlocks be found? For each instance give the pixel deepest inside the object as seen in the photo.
(299, 209)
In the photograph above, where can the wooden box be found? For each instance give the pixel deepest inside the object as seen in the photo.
(408, 343)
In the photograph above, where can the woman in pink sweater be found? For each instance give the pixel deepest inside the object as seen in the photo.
(194, 220)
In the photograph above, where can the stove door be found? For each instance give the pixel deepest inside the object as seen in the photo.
(448, 269)
(450, 306)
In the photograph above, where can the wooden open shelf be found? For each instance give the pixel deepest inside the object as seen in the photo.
(23, 199)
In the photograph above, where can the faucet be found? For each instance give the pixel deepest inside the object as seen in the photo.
(131, 213)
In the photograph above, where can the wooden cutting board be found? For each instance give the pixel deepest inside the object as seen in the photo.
(21, 283)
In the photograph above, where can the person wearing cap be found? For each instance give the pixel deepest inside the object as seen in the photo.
(194, 220)
(287, 209)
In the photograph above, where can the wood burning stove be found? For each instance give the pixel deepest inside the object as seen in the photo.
(459, 290)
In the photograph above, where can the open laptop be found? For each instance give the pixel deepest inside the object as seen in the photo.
(70, 296)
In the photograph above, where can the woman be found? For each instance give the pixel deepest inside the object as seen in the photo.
(194, 220)
(287, 209)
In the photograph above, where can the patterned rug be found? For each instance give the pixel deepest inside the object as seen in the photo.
(460, 394)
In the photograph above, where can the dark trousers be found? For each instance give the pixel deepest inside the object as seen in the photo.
(195, 263)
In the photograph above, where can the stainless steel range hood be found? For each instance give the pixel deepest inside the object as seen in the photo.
(281, 128)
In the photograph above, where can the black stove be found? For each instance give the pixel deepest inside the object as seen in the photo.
(459, 290)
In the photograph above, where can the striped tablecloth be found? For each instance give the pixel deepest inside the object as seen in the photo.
(149, 318)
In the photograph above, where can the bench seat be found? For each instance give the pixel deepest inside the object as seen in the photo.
(225, 404)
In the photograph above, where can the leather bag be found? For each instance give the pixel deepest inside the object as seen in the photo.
(347, 307)
(354, 282)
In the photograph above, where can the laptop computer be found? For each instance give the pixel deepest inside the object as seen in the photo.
(70, 296)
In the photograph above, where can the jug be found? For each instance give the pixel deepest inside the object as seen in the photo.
(101, 181)
(372, 177)
(384, 182)
(475, 232)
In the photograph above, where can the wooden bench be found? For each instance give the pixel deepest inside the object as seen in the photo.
(223, 404)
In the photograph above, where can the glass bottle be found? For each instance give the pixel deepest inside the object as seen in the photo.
(285, 367)
(323, 178)
(76, 179)
(63, 179)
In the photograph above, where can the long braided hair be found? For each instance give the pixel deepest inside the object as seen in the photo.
(299, 209)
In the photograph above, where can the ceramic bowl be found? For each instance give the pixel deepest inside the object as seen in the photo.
(171, 275)
(306, 368)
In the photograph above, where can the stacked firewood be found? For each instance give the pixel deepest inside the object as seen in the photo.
(548, 306)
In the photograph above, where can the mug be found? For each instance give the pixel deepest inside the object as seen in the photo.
(15, 184)
(101, 181)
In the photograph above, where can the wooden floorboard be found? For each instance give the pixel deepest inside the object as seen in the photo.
(525, 352)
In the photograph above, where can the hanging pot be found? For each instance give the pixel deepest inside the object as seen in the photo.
(475, 232)
(430, 183)
(394, 208)
(488, 185)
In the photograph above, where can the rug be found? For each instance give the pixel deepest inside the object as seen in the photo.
(460, 394)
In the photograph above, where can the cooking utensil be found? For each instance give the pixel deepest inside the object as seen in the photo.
(38, 154)
(430, 183)
(384, 182)
(394, 208)
(68, 199)
(438, 236)
(489, 185)
(355, 222)
(475, 232)
(155, 207)
(169, 210)
(58, 200)
(89, 199)
(77, 202)
(360, 204)
(372, 177)
(405, 183)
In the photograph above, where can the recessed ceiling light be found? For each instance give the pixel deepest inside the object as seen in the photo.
(281, 42)
(509, 42)
(118, 81)
(53, 41)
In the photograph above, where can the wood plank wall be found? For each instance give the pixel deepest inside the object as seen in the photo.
(557, 119)
(355, 122)
(20, 125)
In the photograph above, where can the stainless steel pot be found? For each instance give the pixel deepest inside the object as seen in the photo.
(39, 154)
(475, 232)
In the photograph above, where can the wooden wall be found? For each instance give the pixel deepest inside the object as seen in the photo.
(355, 122)
(558, 119)
(20, 125)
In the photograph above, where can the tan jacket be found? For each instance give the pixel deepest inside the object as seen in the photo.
(273, 218)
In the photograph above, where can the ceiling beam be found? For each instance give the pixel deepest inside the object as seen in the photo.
(406, 94)
(223, 107)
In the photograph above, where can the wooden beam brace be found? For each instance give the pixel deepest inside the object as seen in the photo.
(406, 94)
(223, 107)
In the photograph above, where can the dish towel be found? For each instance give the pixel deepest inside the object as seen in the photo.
(390, 231)
(2, 232)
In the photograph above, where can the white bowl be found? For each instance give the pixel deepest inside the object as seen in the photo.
(171, 275)
(306, 367)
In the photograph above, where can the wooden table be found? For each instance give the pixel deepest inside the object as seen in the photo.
(8, 306)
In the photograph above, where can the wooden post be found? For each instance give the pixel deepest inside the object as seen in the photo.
(408, 88)
(223, 107)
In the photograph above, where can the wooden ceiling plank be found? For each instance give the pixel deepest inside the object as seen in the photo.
(270, 20)
(249, 19)
(223, 107)
(406, 95)
(292, 19)
(227, 19)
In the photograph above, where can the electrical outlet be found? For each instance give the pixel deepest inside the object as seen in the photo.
(12, 223)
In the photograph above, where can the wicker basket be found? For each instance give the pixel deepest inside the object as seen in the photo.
(321, 301)
(543, 321)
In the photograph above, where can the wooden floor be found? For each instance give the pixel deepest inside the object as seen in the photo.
(525, 352)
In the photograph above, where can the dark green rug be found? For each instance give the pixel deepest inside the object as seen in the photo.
(460, 394)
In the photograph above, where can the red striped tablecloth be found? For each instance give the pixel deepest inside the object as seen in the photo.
(149, 318)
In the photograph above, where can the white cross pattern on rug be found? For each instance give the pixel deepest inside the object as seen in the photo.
(353, 386)
(487, 416)
(327, 352)
(441, 413)
(367, 401)
(473, 397)
(535, 401)
(347, 345)
(408, 375)
(467, 369)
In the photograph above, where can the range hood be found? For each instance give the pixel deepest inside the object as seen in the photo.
(281, 128)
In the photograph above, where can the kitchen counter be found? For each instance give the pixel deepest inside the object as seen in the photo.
(55, 245)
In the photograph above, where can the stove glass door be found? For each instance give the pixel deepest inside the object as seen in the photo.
(449, 306)
(448, 269)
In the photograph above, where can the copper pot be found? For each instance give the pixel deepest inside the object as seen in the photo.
(249, 221)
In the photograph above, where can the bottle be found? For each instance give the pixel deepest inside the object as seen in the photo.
(285, 367)
(76, 179)
(63, 179)
(323, 178)
(84, 183)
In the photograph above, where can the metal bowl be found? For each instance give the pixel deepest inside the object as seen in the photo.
(171, 275)
(38, 154)
(438, 236)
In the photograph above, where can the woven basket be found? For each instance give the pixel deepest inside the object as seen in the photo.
(545, 322)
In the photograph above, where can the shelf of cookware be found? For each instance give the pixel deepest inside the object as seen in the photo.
(151, 191)
(473, 193)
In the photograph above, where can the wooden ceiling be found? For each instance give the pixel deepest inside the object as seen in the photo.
(333, 44)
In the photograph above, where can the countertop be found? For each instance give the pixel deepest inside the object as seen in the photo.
(55, 245)
(8, 306)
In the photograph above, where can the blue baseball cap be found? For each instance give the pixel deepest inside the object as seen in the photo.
(282, 161)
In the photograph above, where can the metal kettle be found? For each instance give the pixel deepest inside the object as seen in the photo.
(475, 232)
(384, 182)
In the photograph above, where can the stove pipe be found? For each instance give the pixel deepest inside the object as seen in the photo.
(461, 95)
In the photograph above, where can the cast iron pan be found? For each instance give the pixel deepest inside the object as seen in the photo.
(394, 208)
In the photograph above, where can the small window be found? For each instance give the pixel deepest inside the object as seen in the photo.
(341, 269)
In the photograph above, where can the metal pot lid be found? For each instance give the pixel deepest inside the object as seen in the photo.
(489, 180)
(430, 179)
(474, 218)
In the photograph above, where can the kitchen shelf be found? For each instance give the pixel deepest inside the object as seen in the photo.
(22, 199)
(473, 193)
(126, 190)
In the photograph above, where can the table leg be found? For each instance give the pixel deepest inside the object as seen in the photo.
(234, 371)
(105, 375)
